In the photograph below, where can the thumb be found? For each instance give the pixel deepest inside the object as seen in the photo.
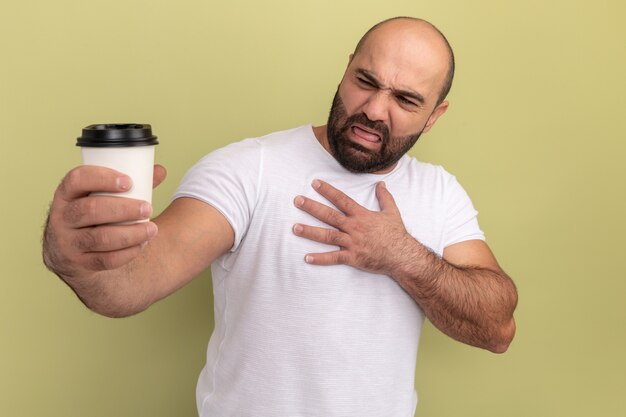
(158, 175)
(385, 199)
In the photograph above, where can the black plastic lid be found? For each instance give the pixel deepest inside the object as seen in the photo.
(117, 135)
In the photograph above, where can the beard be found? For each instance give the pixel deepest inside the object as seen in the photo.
(355, 157)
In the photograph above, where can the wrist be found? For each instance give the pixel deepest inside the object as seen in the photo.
(407, 252)
(417, 268)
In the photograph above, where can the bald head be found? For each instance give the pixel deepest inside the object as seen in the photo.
(397, 25)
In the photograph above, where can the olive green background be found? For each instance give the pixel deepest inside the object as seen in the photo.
(535, 133)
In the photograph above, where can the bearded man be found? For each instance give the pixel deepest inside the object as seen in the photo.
(329, 246)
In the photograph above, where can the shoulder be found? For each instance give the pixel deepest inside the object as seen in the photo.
(251, 148)
(426, 173)
(287, 140)
(246, 158)
(432, 180)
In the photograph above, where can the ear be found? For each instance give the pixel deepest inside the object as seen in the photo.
(347, 66)
(436, 114)
(350, 58)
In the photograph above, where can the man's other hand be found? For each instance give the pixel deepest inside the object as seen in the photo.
(369, 240)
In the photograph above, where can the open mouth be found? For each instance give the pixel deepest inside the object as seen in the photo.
(365, 134)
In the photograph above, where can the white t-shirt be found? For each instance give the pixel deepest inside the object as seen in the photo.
(293, 339)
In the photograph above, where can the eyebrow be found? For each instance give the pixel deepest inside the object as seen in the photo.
(407, 93)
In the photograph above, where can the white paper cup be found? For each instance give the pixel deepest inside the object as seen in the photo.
(127, 148)
(137, 162)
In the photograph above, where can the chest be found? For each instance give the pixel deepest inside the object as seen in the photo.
(421, 206)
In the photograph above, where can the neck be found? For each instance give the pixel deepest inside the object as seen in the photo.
(322, 137)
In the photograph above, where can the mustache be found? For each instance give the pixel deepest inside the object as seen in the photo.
(361, 118)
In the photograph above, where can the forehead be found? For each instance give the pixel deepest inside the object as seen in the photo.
(405, 57)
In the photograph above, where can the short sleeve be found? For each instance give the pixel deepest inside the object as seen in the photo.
(461, 221)
(228, 180)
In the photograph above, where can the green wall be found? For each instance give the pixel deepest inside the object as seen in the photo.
(535, 134)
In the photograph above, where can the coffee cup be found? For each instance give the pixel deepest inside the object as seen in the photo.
(124, 147)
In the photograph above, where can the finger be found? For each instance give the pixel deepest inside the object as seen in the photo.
(99, 209)
(114, 237)
(84, 180)
(159, 175)
(101, 261)
(385, 199)
(337, 197)
(339, 257)
(320, 211)
(322, 235)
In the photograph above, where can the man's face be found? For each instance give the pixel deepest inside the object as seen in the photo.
(356, 157)
(387, 98)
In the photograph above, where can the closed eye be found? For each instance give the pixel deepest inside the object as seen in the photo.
(410, 100)
(406, 101)
(365, 82)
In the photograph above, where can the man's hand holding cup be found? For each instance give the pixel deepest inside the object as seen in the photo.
(90, 228)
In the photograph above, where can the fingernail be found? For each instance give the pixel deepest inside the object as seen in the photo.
(151, 229)
(299, 201)
(297, 228)
(124, 183)
(316, 184)
(146, 210)
(308, 259)
(382, 183)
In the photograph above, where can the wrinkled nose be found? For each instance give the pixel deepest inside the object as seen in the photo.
(376, 108)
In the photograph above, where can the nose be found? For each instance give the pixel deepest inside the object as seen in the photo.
(376, 108)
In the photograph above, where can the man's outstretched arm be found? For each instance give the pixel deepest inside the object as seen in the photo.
(121, 269)
(464, 293)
